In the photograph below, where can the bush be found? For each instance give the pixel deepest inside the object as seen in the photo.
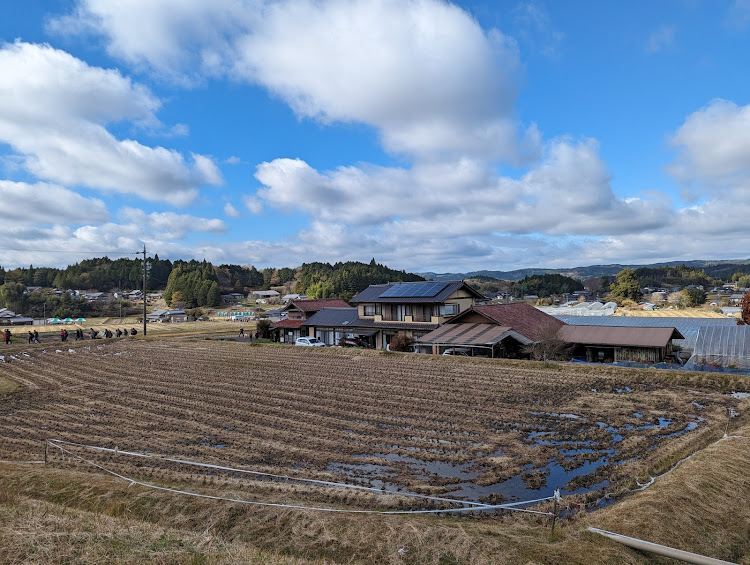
(401, 342)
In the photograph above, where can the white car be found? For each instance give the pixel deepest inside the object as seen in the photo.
(457, 351)
(309, 342)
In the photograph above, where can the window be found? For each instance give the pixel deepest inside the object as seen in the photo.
(369, 310)
(402, 310)
(446, 309)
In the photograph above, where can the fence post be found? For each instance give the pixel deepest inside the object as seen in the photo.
(554, 512)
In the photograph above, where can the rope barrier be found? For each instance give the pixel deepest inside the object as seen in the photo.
(476, 505)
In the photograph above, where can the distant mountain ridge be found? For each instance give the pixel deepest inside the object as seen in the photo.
(712, 268)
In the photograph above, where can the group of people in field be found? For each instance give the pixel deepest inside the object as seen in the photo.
(249, 334)
(33, 336)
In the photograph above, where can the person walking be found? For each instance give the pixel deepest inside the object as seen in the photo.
(31, 337)
(242, 332)
(7, 335)
(36, 337)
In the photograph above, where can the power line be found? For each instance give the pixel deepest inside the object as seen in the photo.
(68, 252)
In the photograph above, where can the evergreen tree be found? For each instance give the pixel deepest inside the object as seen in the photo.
(626, 286)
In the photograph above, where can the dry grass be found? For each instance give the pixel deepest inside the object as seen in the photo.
(275, 407)
(7, 386)
(664, 313)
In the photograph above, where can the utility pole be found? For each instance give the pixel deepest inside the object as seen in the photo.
(144, 289)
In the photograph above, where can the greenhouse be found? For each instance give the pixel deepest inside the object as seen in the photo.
(722, 346)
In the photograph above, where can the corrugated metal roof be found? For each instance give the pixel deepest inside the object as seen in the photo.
(688, 327)
(471, 334)
(618, 336)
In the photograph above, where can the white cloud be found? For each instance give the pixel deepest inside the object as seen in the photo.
(713, 146)
(231, 211)
(532, 23)
(661, 39)
(53, 113)
(43, 204)
(568, 193)
(168, 225)
(424, 73)
(253, 204)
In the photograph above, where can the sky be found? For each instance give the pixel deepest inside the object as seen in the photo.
(428, 135)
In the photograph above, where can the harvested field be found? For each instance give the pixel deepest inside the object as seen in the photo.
(481, 430)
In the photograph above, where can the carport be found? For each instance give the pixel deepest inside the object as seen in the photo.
(480, 340)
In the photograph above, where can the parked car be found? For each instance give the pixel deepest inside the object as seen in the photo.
(309, 342)
(457, 351)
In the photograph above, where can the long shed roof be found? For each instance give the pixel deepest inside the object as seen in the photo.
(619, 336)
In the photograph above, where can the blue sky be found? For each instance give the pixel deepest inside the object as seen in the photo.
(428, 135)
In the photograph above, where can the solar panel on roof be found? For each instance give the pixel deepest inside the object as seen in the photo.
(414, 290)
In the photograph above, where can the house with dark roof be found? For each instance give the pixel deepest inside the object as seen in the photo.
(167, 316)
(287, 329)
(414, 308)
(10, 318)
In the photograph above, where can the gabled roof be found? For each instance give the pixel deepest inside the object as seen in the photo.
(429, 292)
(619, 336)
(523, 318)
(333, 317)
(287, 324)
(471, 334)
(316, 304)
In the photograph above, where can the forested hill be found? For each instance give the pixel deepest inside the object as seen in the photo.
(190, 284)
(322, 280)
(722, 269)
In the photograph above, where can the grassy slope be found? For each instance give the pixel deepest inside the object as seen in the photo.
(50, 515)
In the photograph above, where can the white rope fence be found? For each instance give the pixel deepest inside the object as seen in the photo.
(469, 506)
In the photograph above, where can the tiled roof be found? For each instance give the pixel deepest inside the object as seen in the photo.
(523, 318)
(287, 324)
(317, 304)
(332, 317)
(373, 293)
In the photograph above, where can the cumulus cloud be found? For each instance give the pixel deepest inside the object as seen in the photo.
(42, 204)
(54, 110)
(168, 225)
(713, 146)
(568, 193)
(424, 73)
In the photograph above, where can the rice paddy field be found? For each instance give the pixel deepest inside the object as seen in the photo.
(288, 427)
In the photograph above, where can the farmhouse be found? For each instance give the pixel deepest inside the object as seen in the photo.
(163, 316)
(10, 318)
(510, 330)
(493, 330)
(383, 310)
(295, 312)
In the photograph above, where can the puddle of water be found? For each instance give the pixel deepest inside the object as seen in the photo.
(740, 395)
